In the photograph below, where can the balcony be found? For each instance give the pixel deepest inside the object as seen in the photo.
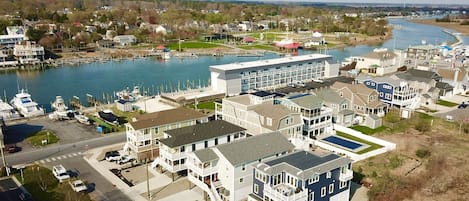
(346, 176)
(283, 192)
(172, 168)
(200, 170)
(172, 156)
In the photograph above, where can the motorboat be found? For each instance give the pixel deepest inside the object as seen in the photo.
(82, 119)
(129, 95)
(7, 111)
(25, 105)
(59, 104)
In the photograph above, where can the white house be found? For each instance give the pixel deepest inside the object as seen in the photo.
(28, 52)
(225, 172)
(125, 40)
(379, 62)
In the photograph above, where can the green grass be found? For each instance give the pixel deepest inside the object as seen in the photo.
(367, 130)
(258, 47)
(99, 121)
(446, 103)
(372, 147)
(191, 45)
(204, 105)
(37, 178)
(36, 138)
(268, 36)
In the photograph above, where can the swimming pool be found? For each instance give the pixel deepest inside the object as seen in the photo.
(343, 142)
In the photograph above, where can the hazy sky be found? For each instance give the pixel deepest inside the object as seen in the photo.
(465, 2)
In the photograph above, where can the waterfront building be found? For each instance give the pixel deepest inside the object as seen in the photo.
(317, 119)
(236, 78)
(377, 63)
(363, 100)
(9, 41)
(28, 52)
(393, 91)
(424, 81)
(303, 176)
(258, 114)
(178, 143)
(125, 40)
(144, 131)
(341, 108)
(225, 171)
(422, 52)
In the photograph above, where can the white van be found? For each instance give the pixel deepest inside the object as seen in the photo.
(60, 173)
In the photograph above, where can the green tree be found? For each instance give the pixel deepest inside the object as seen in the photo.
(35, 34)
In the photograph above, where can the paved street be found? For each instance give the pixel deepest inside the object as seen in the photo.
(75, 140)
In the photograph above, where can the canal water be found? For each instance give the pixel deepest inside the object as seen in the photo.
(103, 79)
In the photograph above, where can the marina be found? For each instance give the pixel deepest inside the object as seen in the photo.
(101, 79)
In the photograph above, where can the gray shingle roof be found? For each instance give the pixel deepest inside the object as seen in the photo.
(205, 155)
(302, 160)
(308, 101)
(255, 148)
(329, 96)
(199, 132)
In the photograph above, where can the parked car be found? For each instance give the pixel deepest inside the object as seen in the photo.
(78, 185)
(12, 148)
(318, 81)
(462, 105)
(125, 159)
(292, 85)
(60, 173)
(112, 156)
(300, 83)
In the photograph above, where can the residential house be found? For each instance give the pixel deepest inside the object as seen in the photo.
(379, 62)
(28, 52)
(458, 78)
(225, 172)
(258, 114)
(9, 41)
(393, 91)
(125, 40)
(363, 100)
(422, 52)
(444, 88)
(317, 119)
(303, 176)
(144, 131)
(424, 81)
(177, 143)
(341, 108)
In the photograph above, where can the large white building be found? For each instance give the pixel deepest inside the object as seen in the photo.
(236, 78)
(28, 52)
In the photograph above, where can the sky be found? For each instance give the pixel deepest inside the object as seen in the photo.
(459, 2)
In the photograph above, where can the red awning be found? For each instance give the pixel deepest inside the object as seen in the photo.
(160, 47)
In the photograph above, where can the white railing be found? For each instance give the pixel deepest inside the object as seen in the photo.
(278, 196)
(201, 171)
(172, 156)
(345, 176)
(172, 168)
(204, 187)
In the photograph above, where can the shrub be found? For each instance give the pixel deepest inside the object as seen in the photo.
(423, 126)
(422, 153)
(465, 22)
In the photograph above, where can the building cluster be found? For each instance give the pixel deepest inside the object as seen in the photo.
(15, 49)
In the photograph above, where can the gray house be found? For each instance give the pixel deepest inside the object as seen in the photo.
(125, 40)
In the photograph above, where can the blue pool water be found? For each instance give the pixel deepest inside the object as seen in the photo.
(342, 142)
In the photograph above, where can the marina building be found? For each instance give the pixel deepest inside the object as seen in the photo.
(303, 176)
(236, 78)
(9, 41)
(28, 52)
(178, 143)
(258, 114)
(225, 172)
(144, 131)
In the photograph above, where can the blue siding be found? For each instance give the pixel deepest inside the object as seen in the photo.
(385, 88)
(370, 84)
(324, 182)
(260, 183)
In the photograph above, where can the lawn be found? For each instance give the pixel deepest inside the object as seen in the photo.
(43, 186)
(99, 121)
(36, 138)
(372, 147)
(446, 103)
(367, 130)
(204, 105)
(191, 45)
(258, 47)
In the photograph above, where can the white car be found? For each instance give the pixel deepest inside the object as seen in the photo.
(112, 156)
(125, 159)
(60, 173)
(78, 186)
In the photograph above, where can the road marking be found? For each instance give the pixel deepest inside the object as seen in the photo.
(47, 160)
(64, 156)
(53, 159)
(80, 153)
(75, 154)
(70, 155)
(58, 157)
(42, 161)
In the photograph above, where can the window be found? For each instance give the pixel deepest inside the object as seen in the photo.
(206, 144)
(269, 121)
(193, 147)
(342, 184)
(311, 196)
(228, 138)
(243, 168)
(328, 175)
(323, 191)
(331, 188)
(216, 141)
(314, 179)
(183, 148)
(256, 188)
(241, 180)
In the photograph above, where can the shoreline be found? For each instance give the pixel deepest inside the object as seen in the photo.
(462, 29)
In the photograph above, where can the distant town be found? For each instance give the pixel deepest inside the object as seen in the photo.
(283, 120)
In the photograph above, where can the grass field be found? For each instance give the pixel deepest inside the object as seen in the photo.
(367, 130)
(258, 47)
(372, 147)
(446, 103)
(37, 138)
(43, 186)
(204, 105)
(192, 45)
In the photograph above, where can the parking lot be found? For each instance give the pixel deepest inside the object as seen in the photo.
(68, 131)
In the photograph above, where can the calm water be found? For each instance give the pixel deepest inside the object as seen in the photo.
(103, 79)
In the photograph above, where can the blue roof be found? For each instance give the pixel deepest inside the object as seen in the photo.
(121, 101)
(303, 160)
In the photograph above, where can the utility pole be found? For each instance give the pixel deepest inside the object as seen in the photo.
(148, 182)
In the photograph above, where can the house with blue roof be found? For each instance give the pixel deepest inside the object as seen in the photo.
(302, 176)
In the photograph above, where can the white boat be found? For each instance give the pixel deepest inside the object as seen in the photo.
(25, 105)
(59, 104)
(129, 96)
(7, 111)
(82, 119)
